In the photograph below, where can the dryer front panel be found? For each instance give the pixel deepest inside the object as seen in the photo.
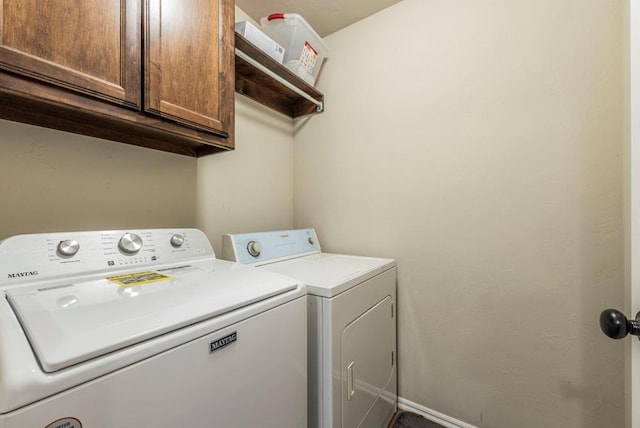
(359, 354)
(367, 361)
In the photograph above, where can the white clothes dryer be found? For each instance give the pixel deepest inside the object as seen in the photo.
(146, 328)
(351, 324)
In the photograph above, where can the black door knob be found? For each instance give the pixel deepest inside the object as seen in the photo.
(614, 324)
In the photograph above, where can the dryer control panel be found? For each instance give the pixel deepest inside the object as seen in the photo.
(268, 247)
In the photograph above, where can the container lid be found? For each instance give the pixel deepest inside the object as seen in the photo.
(70, 324)
(294, 17)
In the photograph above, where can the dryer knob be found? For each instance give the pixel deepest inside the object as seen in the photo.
(177, 240)
(254, 248)
(130, 243)
(68, 248)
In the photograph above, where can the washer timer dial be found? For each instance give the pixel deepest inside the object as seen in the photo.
(130, 243)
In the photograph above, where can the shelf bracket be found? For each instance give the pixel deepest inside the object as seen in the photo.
(319, 104)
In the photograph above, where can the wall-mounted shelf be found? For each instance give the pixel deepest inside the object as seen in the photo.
(268, 82)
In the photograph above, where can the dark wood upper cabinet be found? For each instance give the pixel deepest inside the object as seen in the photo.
(153, 73)
(92, 47)
(183, 39)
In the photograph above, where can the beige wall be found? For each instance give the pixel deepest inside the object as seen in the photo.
(57, 181)
(479, 143)
(251, 188)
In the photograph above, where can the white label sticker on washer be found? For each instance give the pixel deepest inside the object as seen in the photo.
(65, 423)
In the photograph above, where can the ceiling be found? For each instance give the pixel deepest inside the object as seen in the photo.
(325, 16)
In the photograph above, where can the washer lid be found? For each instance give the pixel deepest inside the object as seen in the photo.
(69, 323)
(327, 274)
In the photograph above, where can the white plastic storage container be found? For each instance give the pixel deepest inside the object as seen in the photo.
(261, 40)
(304, 50)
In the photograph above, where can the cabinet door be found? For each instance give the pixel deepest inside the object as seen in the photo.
(189, 62)
(92, 47)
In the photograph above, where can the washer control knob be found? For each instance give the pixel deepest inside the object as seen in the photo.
(254, 248)
(311, 240)
(177, 240)
(68, 248)
(130, 243)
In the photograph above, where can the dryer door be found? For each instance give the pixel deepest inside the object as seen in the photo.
(367, 363)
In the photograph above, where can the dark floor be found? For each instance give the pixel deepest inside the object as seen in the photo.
(412, 420)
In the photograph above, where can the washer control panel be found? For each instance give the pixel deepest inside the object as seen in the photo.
(30, 257)
(265, 247)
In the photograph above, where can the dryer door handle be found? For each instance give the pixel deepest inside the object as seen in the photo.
(351, 391)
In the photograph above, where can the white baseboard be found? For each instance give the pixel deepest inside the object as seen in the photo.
(432, 415)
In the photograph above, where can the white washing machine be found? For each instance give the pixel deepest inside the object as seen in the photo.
(131, 329)
(351, 324)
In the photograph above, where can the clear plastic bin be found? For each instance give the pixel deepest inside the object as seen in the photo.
(261, 40)
(304, 50)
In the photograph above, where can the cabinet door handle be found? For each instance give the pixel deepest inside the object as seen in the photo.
(350, 380)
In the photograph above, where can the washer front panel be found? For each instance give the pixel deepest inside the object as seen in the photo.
(189, 386)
